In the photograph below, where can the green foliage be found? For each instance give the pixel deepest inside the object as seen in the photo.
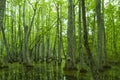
(45, 24)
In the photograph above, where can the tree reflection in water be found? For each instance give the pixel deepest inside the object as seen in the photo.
(51, 71)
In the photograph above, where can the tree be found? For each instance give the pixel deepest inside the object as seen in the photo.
(100, 33)
(86, 44)
(27, 32)
(2, 10)
(70, 62)
(104, 37)
(80, 47)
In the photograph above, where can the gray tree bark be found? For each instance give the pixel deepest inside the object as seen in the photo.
(70, 62)
(80, 48)
(2, 10)
(104, 38)
(86, 44)
(27, 32)
(100, 33)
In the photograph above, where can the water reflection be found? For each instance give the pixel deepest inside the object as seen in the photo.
(51, 71)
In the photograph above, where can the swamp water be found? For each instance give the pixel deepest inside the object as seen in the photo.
(52, 71)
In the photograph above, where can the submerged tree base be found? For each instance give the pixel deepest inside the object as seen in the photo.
(101, 70)
(42, 60)
(29, 65)
(59, 63)
(4, 66)
(83, 70)
(48, 60)
(70, 69)
(107, 66)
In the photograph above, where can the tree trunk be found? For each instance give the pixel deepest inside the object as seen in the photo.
(104, 32)
(2, 10)
(86, 44)
(58, 31)
(100, 33)
(60, 42)
(70, 62)
(27, 32)
(80, 39)
(43, 40)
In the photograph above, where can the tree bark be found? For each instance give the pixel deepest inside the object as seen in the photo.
(80, 38)
(100, 33)
(86, 44)
(104, 32)
(2, 10)
(70, 62)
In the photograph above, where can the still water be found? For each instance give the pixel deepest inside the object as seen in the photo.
(52, 71)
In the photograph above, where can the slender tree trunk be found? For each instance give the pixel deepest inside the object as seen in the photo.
(70, 62)
(15, 37)
(2, 10)
(58, 30)
(54, 48)
(20, 36)
(43, 40)
(12, 35)
(25, 51)
(60, 42)
(93, 36)
(114, 37)
(80, 39)
(86, 44)
(48, 47)
(74, 33)
(100, 33)
(27, 31)
(104, 32)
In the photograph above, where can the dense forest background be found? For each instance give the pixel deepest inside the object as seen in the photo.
(67, 32)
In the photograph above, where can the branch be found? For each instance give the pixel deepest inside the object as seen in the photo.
(33, 17)
(39, 36)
